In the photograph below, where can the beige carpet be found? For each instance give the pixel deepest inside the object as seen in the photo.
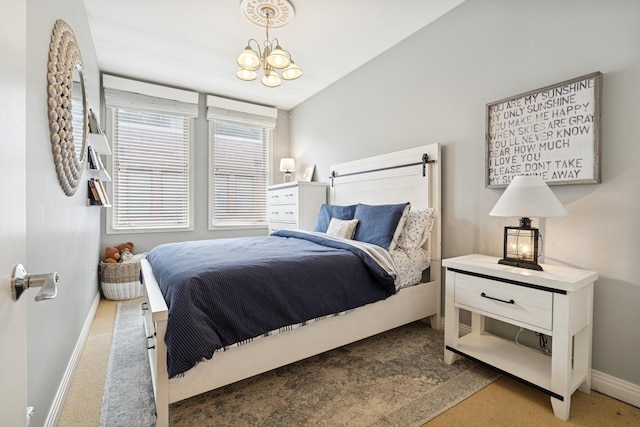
(505, 402)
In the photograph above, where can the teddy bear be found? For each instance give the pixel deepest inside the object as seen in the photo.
(114, 254)
(111, 255)
(122, 247)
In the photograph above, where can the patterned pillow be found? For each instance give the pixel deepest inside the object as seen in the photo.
(344, 228)
(400, 227)
(416, 228)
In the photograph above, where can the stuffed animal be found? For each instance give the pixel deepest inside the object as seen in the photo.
(128, 246)
(111, 255)
(114, 254)
(126, 256)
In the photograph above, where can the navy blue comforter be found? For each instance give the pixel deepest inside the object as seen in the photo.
(224, 291)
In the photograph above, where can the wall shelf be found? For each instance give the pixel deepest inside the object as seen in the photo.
(97, 146)
(100, 143)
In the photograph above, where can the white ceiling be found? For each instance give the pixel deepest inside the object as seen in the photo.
(192, 44)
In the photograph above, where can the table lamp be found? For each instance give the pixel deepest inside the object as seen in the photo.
(287, 165)
(525, 197)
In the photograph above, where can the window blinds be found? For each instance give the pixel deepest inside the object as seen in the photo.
(240, 138)
(151, 137)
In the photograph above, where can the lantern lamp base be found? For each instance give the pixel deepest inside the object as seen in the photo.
(522, 264)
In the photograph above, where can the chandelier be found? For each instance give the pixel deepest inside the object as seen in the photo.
(274, 13)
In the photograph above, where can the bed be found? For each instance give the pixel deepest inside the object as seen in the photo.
(411, 176)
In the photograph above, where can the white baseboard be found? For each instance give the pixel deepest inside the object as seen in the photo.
(615, 387)
(603, 383)
(63, 389)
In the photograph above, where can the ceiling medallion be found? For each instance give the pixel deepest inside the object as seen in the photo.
(281, 12)
(269, 55)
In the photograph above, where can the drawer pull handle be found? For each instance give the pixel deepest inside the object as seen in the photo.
(144, 306)
(483, 295)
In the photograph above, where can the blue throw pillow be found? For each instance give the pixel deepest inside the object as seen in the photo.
(378, 223)
(332, 211)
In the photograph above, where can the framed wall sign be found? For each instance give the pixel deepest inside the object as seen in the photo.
(553, 132)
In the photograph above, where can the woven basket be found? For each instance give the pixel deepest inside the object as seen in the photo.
(120, 281)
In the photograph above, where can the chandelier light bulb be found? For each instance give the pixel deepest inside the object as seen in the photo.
(246, 75)
(292, 72)
(271, 80)
(248, 59)
(278, 58)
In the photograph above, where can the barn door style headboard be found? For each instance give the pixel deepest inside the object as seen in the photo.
(411, 175)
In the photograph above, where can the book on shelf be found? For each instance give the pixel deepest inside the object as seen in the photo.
(94, 199)
(100, 164)
(97, 193)
(94, 126)
(93, 158)
(102, 192)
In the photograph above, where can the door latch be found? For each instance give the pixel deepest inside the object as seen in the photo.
(21, 281)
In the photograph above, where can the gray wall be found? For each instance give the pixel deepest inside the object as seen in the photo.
(62, 232)
(434, 86)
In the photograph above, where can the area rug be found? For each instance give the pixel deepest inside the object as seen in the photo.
(128, 392)
(397, 378)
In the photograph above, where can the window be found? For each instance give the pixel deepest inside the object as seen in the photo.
(151, 140)
(239, 145)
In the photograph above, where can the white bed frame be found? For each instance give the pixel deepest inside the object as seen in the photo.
(374, 180)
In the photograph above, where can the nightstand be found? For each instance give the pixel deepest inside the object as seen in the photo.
(557, 302)
(295, 205)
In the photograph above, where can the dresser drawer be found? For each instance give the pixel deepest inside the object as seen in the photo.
(275, 226)
(283, 213)
(504, 300)
(283, 196)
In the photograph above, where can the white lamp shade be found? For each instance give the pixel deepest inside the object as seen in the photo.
(530, 197)
(271, 80)
(287, 164)
(246, 75)
(278, 58)
(292, 72)
(248, 59)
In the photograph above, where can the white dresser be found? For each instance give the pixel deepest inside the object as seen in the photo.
(295, 205)
(556, 302)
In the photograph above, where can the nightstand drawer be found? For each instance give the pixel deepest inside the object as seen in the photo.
(286, 213)
(520, 303)
(283, 196)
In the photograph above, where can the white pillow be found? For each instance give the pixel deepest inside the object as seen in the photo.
(344, 228)
(416, 228)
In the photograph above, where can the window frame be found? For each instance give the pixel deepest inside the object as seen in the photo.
(210, 181)
(109, 229)
(247, 114)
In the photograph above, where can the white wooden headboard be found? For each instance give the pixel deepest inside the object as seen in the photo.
(394, 178)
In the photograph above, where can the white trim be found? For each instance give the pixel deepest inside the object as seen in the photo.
(615, 387)
(149, 89)
(63, 389)
(243, 107)
(602, 383)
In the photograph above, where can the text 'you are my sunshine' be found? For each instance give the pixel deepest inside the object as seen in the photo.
(549, 133)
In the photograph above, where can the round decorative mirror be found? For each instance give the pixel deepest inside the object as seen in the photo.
(68, 120)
